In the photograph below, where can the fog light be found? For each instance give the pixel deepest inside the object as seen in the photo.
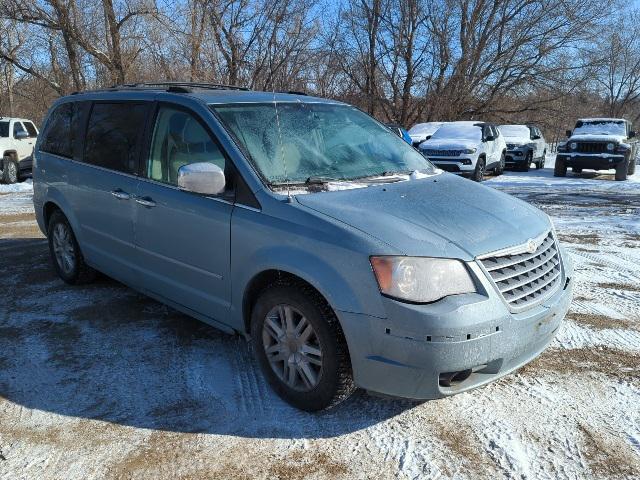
(518, 154)
(466, 161)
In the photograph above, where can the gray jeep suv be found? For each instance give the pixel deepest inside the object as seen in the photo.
(306, 226)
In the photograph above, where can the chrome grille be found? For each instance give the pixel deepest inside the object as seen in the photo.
(523, 279)
(441, 153)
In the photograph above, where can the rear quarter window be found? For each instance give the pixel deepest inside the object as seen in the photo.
(114, 134)
(58, 133)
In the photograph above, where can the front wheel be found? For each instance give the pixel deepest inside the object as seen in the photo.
(300, 347)
(621, 171)
(9, 172)
(478, 173)
(560, 169)
(499, 170)
(527, 162)
(65, 252)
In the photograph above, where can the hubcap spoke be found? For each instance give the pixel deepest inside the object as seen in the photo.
(292, 348)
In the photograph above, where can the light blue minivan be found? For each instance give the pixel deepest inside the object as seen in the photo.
(305, 225)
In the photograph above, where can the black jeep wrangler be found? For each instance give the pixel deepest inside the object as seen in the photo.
(599, 144)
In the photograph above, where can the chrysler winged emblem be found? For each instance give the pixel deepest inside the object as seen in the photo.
(531, 245)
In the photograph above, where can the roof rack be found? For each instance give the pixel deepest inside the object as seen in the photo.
(177, 87)
(185, 85)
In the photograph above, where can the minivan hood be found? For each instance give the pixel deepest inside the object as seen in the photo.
(448, 144)
(443, 216)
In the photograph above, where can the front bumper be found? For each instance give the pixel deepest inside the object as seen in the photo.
(407, 353)
(454, 165)
(515, 157)
(595, 161)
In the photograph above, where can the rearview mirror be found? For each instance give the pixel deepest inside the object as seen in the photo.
(568, 132)
(21, 135)
(535, 137)
(632, 134)
(202, 177)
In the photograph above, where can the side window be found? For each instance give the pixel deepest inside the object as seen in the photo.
(58, 135)
(17, 128)
(179, 139)
(113, 135)
(31, 129)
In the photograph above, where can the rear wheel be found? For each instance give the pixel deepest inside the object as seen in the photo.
(560, 169)
(300, 346)
(65, 252)
(9, 170)
(478, 173)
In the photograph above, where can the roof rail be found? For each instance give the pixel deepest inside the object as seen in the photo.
(176, 87)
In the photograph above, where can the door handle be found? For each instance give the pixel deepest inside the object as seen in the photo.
(145, 201)
(120, 194)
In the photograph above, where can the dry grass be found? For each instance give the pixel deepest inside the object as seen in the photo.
(584, 238)
(619, 364)
(607, 455)
(619, 286)
(602, 322)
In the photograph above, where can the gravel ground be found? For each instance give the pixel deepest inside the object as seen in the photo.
(100, 382)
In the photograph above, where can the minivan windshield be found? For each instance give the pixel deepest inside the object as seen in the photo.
(459, 131)
(4, 129)
(298, 143)
(600, 127)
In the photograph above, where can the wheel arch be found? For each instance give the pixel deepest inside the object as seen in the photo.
(9, 153)
(262, 280)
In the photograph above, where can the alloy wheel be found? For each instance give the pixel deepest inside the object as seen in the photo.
(63, 248)
(292, 348)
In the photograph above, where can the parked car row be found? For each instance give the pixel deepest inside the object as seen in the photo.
(473, 148)
(308, 227)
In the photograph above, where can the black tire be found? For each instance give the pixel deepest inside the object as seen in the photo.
(10, 170)
(560, 169)
(621, 171)
(499, 170)
(632, 166)
(335, 378)
(79, 272)
(478, 173)
(576, 169)
(527, 162)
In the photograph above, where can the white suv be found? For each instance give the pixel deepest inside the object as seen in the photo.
(17, 139)
(467, 148)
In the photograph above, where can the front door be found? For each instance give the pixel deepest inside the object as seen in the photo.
(105, 184)
(183, 238)
(23, 145)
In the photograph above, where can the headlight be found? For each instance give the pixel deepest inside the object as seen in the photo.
(610, 147)
(420, 279)
(470, 150)
(573, 145)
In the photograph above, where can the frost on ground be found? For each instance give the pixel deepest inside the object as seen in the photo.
(101, 382)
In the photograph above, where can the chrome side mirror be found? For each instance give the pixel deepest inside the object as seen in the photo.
(202, 177)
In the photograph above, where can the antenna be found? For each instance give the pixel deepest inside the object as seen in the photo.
(275, 106)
